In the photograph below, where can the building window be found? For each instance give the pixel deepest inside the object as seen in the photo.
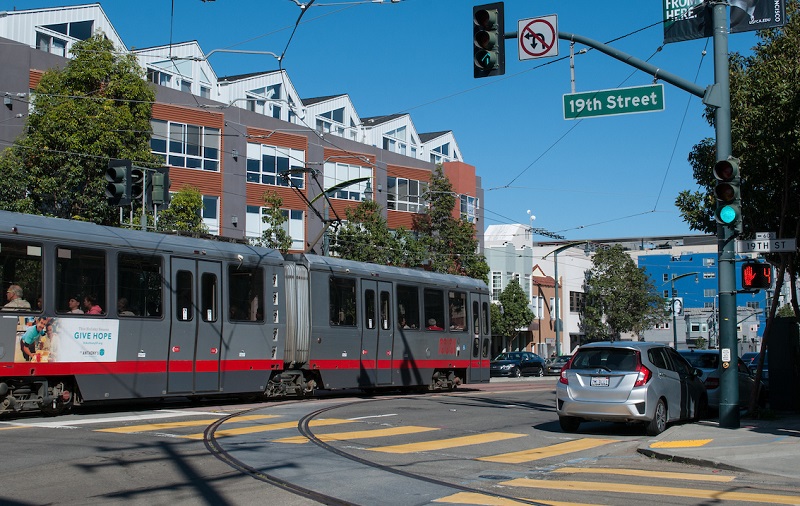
(396, 141)
(337, 173)
(709, 262)
(331, 122)
(50, 44)
(190, 146)
(294, 224)
(576, 301)
(754, 304)
(468, 207)
(708, 292)
(709, 275)
(406, 194)
(497, 285)
(186, 86)
(665, 277)
(159, 77)
(205, 92)
(210, 213)
(265, 164)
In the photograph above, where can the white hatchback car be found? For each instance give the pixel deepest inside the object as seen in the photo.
(626, 381)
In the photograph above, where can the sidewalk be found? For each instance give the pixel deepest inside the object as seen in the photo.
(758, 446)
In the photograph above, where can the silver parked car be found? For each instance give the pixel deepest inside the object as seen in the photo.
(625, 381)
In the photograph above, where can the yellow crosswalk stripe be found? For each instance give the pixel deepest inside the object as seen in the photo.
(622, 488)
(269, 427)
(547, 451)
(647, 474)
(686, 443)
(442, 444)
(488, 500)
(361, 434)
(175, 425)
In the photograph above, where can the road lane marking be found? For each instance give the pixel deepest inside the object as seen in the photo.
(621, 488)
(488, 500)
(71, 423)
(253, 429)
(361, 434)
(647, 474)
(443, 444)
(175, 425)
(686, 443)
(548, 451)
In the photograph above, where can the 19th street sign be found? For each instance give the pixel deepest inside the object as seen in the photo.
(633, 100)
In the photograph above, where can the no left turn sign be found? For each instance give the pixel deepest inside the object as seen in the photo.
(538, 37)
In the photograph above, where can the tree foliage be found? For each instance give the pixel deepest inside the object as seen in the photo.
(275, 236)
(513, 312)
(183, 213)
(620, 297)
(451, 243)
(366, 237)
(95, 108)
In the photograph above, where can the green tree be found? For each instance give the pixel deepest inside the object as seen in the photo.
(183, 213)
(451, 243)
(512, 313)
(366, 237)
(275, 236)
(96, 107)
(620, 297)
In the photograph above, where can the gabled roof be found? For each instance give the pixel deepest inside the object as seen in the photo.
(377, 120)
(433, 135)
(240, 77)
(317, 100)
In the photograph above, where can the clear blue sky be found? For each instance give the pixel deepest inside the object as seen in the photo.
(598, 178)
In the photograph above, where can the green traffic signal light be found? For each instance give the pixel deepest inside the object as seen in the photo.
(727, 193)
(487, 40)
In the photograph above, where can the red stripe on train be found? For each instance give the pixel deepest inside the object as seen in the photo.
(135, 367)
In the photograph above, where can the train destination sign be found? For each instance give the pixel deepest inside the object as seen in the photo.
(632, 100)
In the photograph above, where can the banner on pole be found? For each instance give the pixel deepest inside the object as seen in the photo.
(748, 15)
(686, 20)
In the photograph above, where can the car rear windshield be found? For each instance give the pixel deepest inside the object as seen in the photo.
(614, 359)
(702, 360)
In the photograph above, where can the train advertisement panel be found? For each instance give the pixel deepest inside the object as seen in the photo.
(43, 339)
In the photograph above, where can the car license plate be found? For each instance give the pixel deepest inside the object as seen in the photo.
(599, 381)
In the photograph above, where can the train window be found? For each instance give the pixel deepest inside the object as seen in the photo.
(457, 304)
(184, 294)
(385, 315)
(81, 273)
(21, 265)
(342, 295)
(208, 297)
(139, 286)
(369, 309)
(434, 309)
(408, 306)
(246, 293)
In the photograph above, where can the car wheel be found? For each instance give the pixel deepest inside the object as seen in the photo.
(569, 423)
(541, 372)
(659, 422)
(517, 373)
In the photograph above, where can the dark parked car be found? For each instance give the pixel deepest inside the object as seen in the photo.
(626, 381)
(552, 366)
(751, 361)
(709, 362)
(517, 363)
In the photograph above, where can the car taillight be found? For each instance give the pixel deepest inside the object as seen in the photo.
(644, 373)
(711, 383)
(563, 377)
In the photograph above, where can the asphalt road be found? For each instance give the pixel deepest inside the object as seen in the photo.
(474, 446)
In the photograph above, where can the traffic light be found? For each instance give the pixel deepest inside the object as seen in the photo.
(118, 187)
(756, 275)
(729, 204)
(158, 193)
(489, 57)
(137, 184)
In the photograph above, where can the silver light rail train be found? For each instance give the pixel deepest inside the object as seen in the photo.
(97, 313)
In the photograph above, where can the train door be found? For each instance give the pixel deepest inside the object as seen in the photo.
(481, 339)
(377, 336)
(194, 348)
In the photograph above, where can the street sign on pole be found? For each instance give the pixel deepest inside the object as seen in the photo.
(633, 100)
(766, 246)
(538, 37)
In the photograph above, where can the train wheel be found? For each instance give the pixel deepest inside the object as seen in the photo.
(61, 401)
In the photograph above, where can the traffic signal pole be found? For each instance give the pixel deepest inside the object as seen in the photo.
(717, 96)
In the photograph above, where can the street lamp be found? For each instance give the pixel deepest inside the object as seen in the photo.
(679, 309)
(555, 253)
